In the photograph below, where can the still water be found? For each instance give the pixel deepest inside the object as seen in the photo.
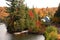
(4, 35)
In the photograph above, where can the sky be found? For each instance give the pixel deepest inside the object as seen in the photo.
(36, 3)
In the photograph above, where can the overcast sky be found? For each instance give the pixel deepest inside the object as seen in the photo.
(37, 3)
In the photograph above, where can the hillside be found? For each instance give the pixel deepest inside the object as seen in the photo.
(41, 11)
(3, 12)
(46, 11)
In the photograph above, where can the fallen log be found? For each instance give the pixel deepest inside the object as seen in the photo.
(26, 31)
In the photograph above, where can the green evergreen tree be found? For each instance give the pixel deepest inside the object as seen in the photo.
(35, 16)
(57, 14)
(17, 15)
(27, 18)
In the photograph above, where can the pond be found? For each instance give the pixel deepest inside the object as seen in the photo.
(4, 35)
(28, 37)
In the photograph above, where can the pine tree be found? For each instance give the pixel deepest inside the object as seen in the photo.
(57, 14)
(27, 18)
(17, 15)
(11, 10)
(56, 18)
(35, 16)
(21, 14)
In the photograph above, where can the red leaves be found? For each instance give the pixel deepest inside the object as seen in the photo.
(31, 14)
(38, 23)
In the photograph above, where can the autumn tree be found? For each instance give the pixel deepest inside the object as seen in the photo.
(34, 21)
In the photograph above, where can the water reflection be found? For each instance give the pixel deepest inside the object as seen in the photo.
(6, 36)
(28, 37)
(3, 32)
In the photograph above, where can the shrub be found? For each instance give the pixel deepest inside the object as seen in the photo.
(51, 33)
